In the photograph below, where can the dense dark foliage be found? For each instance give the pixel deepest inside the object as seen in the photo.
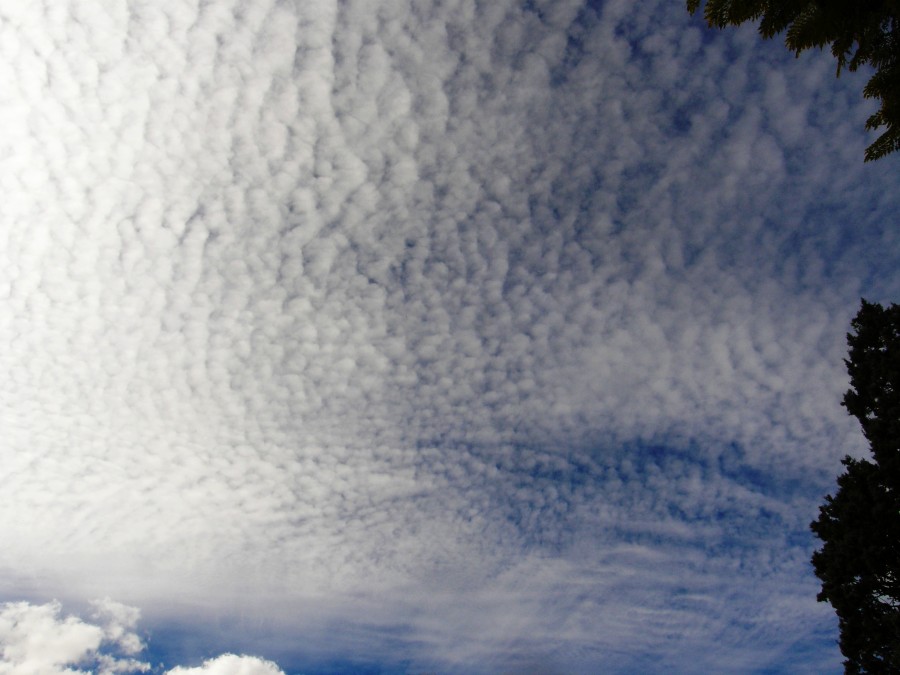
(859, 563)
(859, 32)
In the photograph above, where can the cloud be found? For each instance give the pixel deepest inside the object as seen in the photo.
(118, 623)
(229, 664)
(489, 321)
(36, 640)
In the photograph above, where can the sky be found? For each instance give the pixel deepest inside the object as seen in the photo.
(407, 336)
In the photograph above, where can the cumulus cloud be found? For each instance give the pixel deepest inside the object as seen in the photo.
(484, 320)
(36, 640)
(229, 664)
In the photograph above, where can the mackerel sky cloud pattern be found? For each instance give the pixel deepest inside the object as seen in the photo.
(423, 334)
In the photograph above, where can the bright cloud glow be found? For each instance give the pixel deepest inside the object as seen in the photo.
(468, 336)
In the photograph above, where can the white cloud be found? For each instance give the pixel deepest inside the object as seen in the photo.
(309, 307)
(118, 623)
(230, 664)
(36, 640)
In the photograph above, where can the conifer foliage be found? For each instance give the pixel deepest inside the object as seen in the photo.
(859, 31)
(859, 562)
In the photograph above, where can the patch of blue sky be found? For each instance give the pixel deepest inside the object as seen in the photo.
(173, 643)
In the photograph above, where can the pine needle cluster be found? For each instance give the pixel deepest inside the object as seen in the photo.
(860, 32)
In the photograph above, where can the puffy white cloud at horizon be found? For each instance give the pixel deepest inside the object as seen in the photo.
(230, 664)
(448, 333)
(35, 641)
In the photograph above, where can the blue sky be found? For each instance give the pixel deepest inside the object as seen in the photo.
(423, 336)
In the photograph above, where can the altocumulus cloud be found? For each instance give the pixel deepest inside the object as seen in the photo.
(450, 334)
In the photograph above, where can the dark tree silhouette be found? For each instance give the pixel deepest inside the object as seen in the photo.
(859, 562)
(859, 32)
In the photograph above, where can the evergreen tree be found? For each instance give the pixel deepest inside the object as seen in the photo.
(859, 32)
(859, 563)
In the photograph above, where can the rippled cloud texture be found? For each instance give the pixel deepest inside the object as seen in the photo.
(430, 334)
